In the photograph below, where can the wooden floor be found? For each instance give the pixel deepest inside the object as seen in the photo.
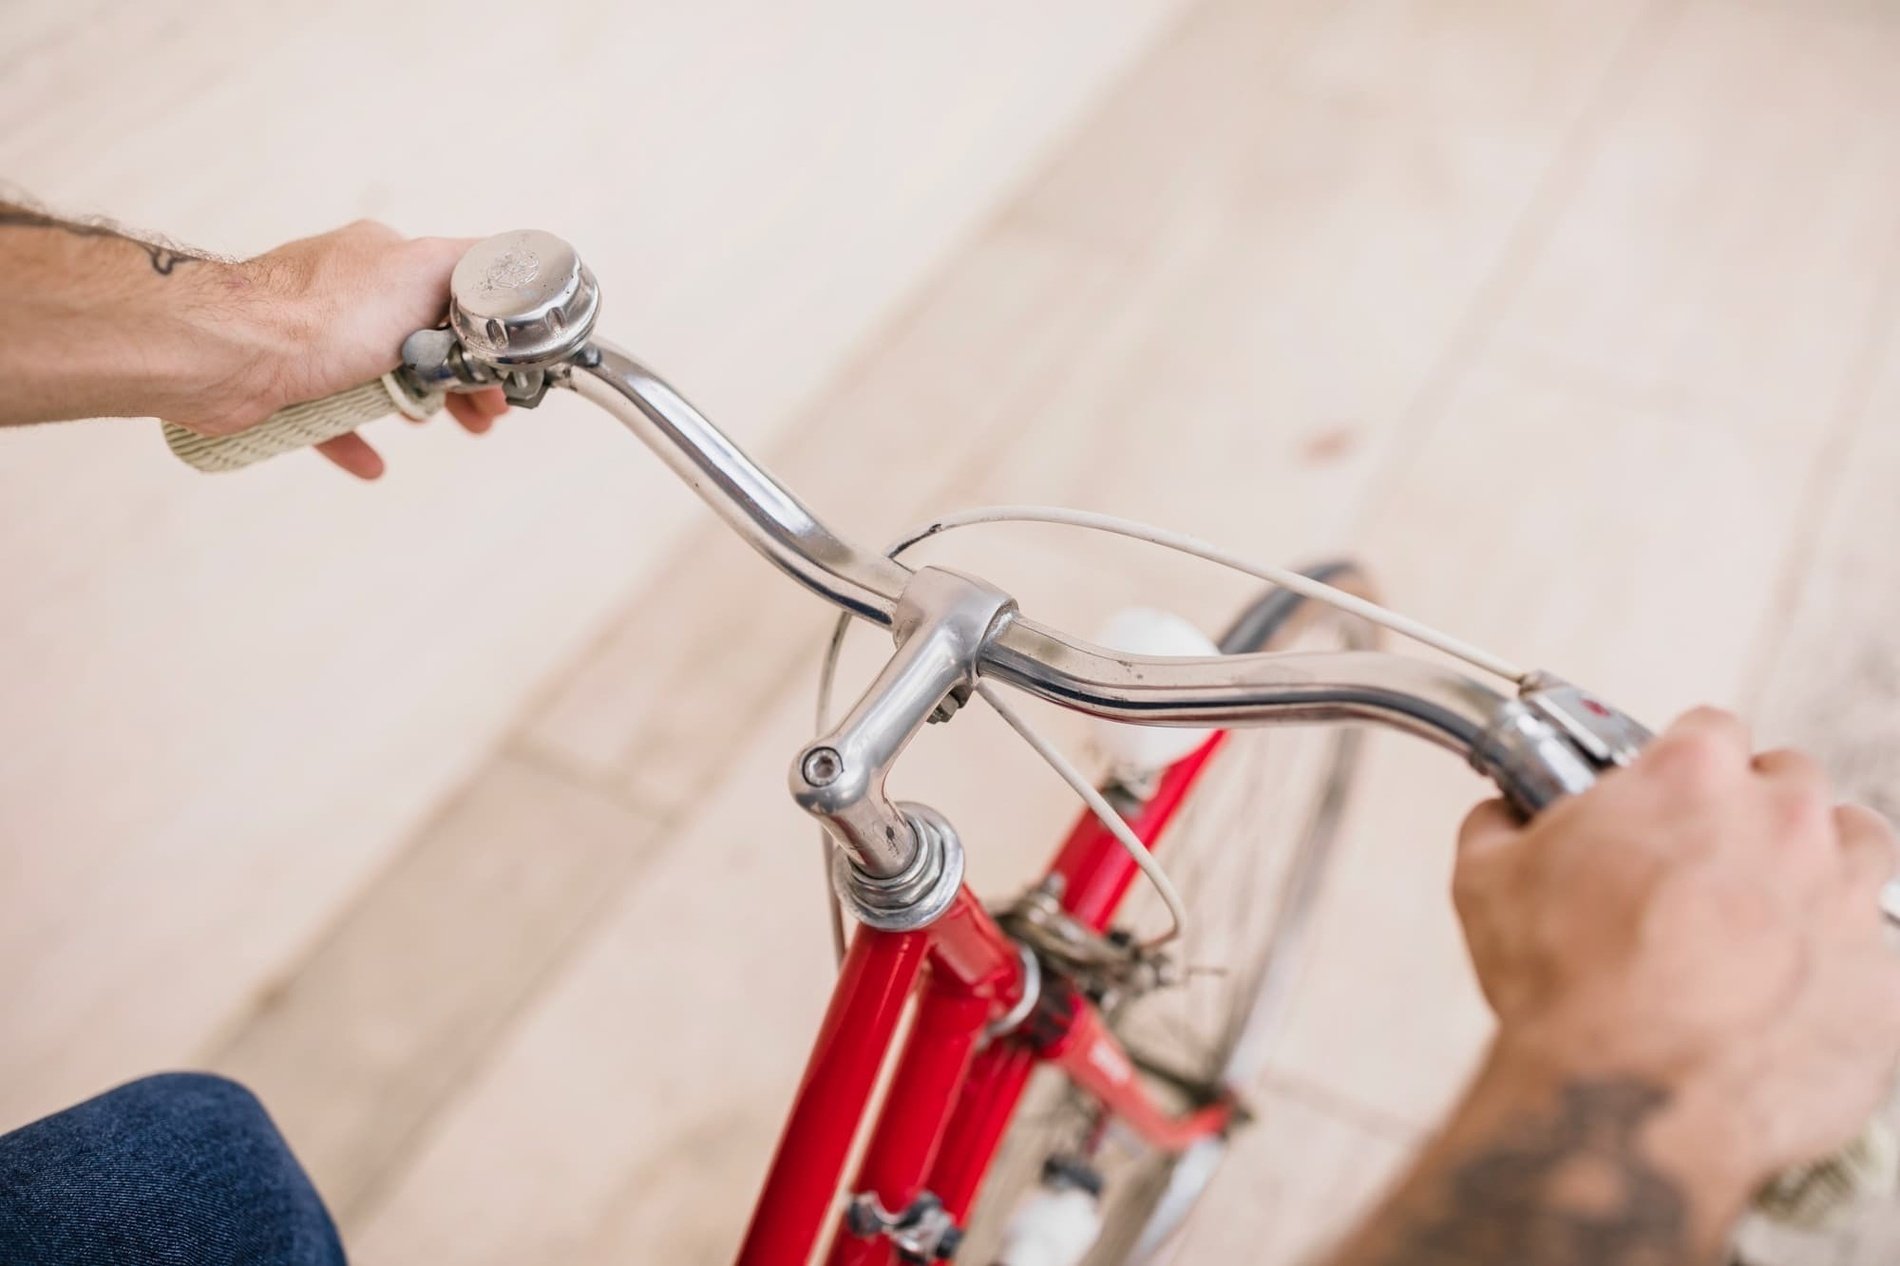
(1575, 319)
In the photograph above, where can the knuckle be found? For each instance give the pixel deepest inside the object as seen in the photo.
(1705, 716)
(1857, 821)
(1471, 885)
(1803, 806)
(370, 231)
(1694, 760)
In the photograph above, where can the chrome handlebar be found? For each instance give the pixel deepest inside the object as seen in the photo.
(1500, 735)
(521, 313)
(1537, 748)
(752, 503)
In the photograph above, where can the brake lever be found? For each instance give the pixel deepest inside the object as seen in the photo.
(1553, 741)
(1608, 737)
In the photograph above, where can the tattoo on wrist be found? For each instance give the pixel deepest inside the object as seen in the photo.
(165, 256)
(1573, 1189)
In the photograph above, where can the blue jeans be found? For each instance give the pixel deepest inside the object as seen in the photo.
(182, 1169)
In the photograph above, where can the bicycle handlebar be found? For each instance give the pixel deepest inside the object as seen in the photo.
(521, 314)
(1529, 755)
(752, 503)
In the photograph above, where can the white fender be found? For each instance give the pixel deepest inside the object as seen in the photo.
(1135, 752)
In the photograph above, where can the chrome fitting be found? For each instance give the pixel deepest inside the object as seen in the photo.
(942, 623)
(1606, 735)
(1531, 761)
(923, 1232)
(1554, 740)
(917, 896)
(1011, 1020)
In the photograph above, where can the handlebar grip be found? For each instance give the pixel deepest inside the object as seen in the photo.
(1816, 1195)
(298, 426)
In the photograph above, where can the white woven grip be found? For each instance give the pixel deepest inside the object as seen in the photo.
(298, 426)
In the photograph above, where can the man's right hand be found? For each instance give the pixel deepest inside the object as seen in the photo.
(1707, 920)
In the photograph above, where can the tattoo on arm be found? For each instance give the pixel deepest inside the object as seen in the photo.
(1570, 1190)
(165, 256)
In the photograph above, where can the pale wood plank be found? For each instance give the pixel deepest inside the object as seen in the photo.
(679, 1016)
(401, 1001)
(1620, 474)
(1831, 685)
(1722, 250)
(1295, 1180)
(1351, 187)
(231, 700)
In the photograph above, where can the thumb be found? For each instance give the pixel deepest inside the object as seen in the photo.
(1489, 825)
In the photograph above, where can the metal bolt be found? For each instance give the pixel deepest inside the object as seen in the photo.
(821, 766)
(948, 705)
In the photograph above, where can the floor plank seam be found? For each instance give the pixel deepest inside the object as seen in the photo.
(224, 1035)
(386, 1177)
(1850, 414)
(799, 667)
(1342, 1107)
(1527, 236)
(899, 320)
(519, 745)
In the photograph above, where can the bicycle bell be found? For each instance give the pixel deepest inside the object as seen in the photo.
(520, 303)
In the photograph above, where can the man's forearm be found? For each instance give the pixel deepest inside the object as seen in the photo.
(1541, 1166)
(99, 323)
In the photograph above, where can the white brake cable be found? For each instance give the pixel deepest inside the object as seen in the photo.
(1284, 577)
(1132, 529)
(1103, 810)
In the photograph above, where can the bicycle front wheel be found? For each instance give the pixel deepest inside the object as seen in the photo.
(1248, 852)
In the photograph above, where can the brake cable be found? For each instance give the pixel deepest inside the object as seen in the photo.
(1132, 529)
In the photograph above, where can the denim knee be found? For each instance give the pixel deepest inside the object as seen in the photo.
(180, 1168)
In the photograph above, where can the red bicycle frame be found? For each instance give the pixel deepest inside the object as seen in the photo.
(951, 1094)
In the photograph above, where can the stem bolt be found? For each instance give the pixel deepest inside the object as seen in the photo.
(821, 766)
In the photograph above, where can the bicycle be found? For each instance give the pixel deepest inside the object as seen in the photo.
(911, 1104)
